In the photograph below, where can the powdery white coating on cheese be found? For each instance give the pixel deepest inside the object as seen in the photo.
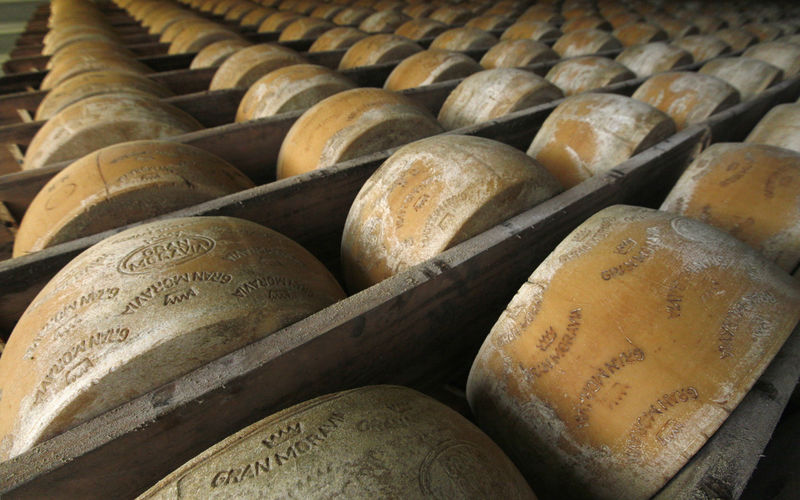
(779, 127)
(430, 66)
(432, 194)
(515, 53)
(655, 57)
(749, 76)
(493, 93)
(587, 73)
(781, 54)
(759, 304)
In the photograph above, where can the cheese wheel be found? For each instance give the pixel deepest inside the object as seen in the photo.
(145, 306)
(548, 16)
(784, 55)
(779, 127)
(638, 33)
(383, 22)
(580, 74)
(708, 24)
(677, 30)
(420, 28)
(626, 349)
(238, 11)
(651, 58)
(304, 28)
(493, 93)
(585, 42)
(85, 48)
(764, 32)
(530, 30)
(378, 49)
(372, 442)
(352, 16)
(79, 63)
(223, 6)
(703, 47)
(395, 5)
(64, 37)
(789, 39)
(464, 38)
(247, 65)
(120, 185)
(292, 88)
(95, 83)
(489, 23)
(749, 76)
(431, 195)
(585, 23)
(588, 134)
(750, 191)
(174, 29)
(326, 11)
(419, 10)
(737, 38)
(430, 66)
(687, 97)
(216, 53)
(277, 21)
(337, 38)
(195, 38)
(103, 120)
(517, 53)
(256, 16)
(452, 15)
(159, 21)
(620, 19)
(351, 124)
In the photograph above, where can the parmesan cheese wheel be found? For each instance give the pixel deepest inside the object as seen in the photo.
(708, 24)
(278, 21)
(750, 191)
(377, 49)
(588, 134)
(420, 28)
(292, 88)
(585, 42)
(216, 53)
(737, 38)
(223, 6)
(256, 16)
(431, 195)
(64, 37)
(352, 124)
(95, 83)
(749, 76)
(175, 28)
(548, 16)
(687, 97)
(580, 74)
(77, 64)
(305, 27)
(678, 29)
(779, 127)
(517, 53)
(372, 442)
(120, 185)
(784, 55)
(245, 66)
(352, 16)
(530, 30)
(195, 38)
(620, 19)
(452, 15)
(238, 11)
(493, 93)
(625, 349)
(85, 48)
(419, 10)
(651, 58)
(638, 33)
(430, 66)
(489, 23)
(461, 39)
(703, 47)
(383, 22)
(326, 11)
(764, 32)
(337, 38)
(585, 23)
(103, 120)
(145, 306)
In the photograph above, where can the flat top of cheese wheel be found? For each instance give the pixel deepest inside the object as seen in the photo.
(143, 307)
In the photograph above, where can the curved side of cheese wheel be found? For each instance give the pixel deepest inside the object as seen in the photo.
(452, 15)
(764, 32)
(530, 30)
(586, 22)
(73, 66)
(779, 127)
(326, 11)
(749, 76)
(781, 54)
(419, 28)
(95, 83)
(88, 47)
(585, 42)
(703, 47)
(103, 120)
(430, 66)
(678, 29)
(687, 97)
(337, 38)
(493, 93)
(256, 17)
(410, 445)
(580, 74)
(143, 307)
(431, 195)
(489, 22)
(245, 66)
(461, 39)
(175, 28)
(122, 184)
(352, 16)
(238, 11)
(591, 133)
(750, 191)
(305, 27)
(351, 124)
(737, 38)
(63, 39)
(515, 53)
(289, 89)
(648, 59)
(638, 33)
(277, 21)
(216, 53)
(377, 49)
(625, 349)
(383, 22)
(194, 41)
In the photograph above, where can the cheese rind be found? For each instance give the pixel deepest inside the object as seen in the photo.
(625, 349)
(779, 127)
(584, 73)
(648, 59)
(585, 42)
(245, 66)
(514, 53)
(430, 66)
(749, 76)
(377, 49)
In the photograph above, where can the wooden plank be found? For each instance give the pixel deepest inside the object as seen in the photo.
(412, 328)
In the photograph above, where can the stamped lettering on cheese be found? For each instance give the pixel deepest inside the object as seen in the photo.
(165, 253)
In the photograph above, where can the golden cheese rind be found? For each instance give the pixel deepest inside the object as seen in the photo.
(245, 66)
(428, 67)
(145, 306)
(372, 442)
(584, 73)
(779, 127)
(625, 349)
